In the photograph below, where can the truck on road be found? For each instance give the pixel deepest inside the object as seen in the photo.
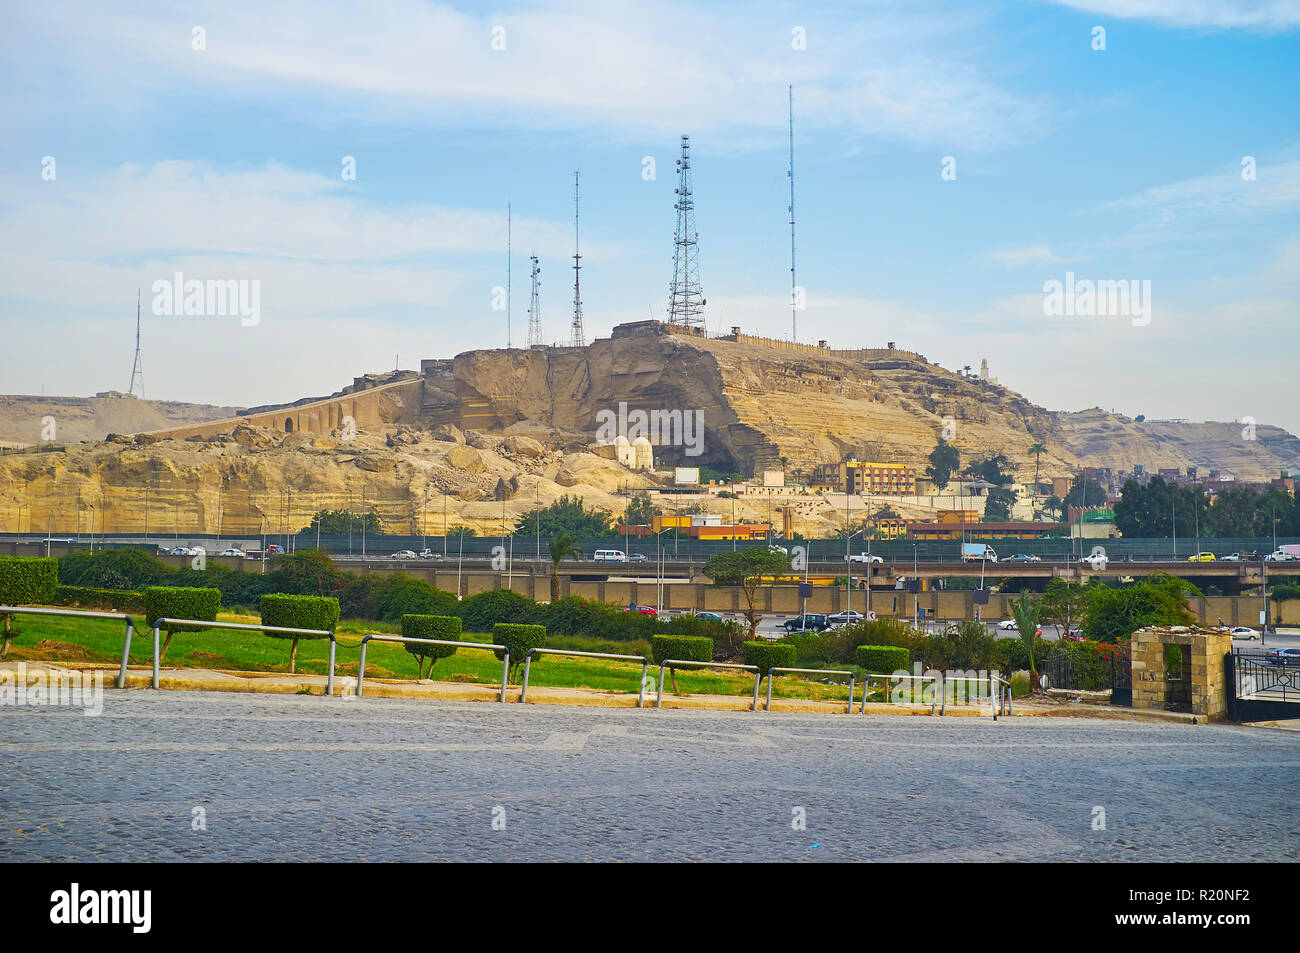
(970, 552)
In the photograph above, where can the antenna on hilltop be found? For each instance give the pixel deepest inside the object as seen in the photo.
(137, 366)
(794, 322)
(507, 274)
(535, 307)
(576, 336)
(686, 300)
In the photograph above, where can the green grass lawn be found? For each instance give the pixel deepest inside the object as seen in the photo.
(58, 638)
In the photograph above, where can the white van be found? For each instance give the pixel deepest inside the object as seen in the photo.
(609, 556)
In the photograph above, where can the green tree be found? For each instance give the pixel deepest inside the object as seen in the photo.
(1114, 614)
(944, 460)
(640, 511)
(567, 515)
(1064, 605)
(1038, 449)
(337, 523)
(997, 506)
(561, 547)
(996, 470)
(1026, 615)
(745, 568)
(1085, 493)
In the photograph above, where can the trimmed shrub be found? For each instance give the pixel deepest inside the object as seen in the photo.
(127, 568)
(24, 581)
(689, 648)
(768, 655)
(809, 647)
(299, 612)
(402, 596)
(882, 659)
(85, 597)
(178, 602)
(518, 638)
(481, 612)
(446, 627)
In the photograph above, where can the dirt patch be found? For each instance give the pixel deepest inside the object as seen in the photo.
(200, 656)
(51, 650)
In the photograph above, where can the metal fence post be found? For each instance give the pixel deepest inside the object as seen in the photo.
(329, 681)
(505, 672)
(528, 661)
(864, 694)
(640, 699)
(361, 667)
(126, 653)
(659, 698)
(155, 654)
(769, 691)
(757, 677)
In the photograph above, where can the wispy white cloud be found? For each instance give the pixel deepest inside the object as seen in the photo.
(1271, 15)
(1016, 257)
(623, 70)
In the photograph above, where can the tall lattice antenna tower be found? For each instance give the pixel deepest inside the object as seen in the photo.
(686, 301)
(507, 274)
(794, 299)
(576, 337)
(137, 366)
(535, 307)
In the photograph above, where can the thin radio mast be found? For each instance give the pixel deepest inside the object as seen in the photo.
(507, 274)
(576, 336)
(535, 307)
(137, 366)
(794, 323)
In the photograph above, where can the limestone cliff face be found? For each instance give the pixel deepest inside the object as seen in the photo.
(810, 405)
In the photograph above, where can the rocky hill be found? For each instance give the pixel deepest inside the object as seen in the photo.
(524, 424)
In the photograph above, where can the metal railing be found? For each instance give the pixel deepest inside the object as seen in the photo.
(85, 614)
(671, 663)
(809, 671)
(380, 637)
(934, 701)
(247, 626)
(528, 661)
(996, 683)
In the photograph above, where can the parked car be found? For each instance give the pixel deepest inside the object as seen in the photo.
(1287, 656)
(642, 610)
(275, 549)
(709, 616)
(233, 551)
(405, 554)
(1201, 558)
(1007, 625)
(1022, 558)
(812, 622)
(609, 556)
(637, 557)
(866, 558)
(1242, 632)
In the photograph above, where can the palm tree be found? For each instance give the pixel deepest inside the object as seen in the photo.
(561, 546)
(1037, 450)
(1026, 616)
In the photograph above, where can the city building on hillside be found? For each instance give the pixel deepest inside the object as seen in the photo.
(859, 477)
(1096, 522)
(958, 530)
(697, 526)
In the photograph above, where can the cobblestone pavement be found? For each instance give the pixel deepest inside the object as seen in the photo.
(310, 778)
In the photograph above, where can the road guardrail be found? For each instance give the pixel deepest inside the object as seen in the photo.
(809, 671)
(528, 661)
(381, 637)
(85, 614)
(671, 663)
(246, 626)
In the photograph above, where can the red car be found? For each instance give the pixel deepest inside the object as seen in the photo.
(643, 610)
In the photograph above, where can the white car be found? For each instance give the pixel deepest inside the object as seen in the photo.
(1094, 561)
(405, 554)
(1243, 632)
(847, 617)
(866, 558)
(429, 554)
(1007, 624)
(233, 551)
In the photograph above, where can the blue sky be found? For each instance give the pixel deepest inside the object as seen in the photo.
(224, 163)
